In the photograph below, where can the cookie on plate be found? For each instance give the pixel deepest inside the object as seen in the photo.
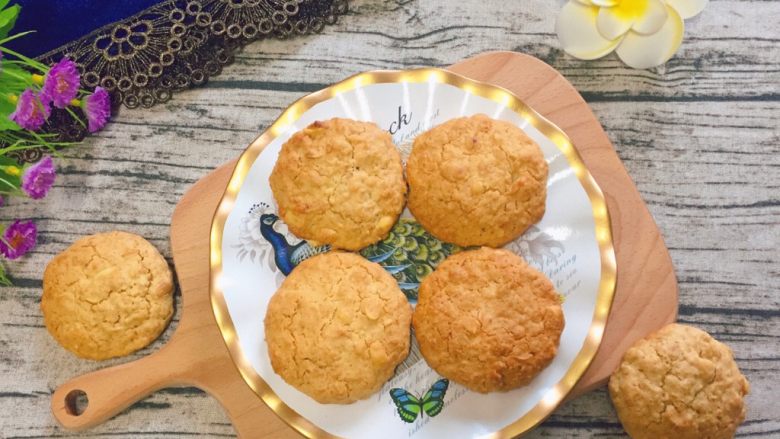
(337, 327)
(680, 383)
(476, 181)
(107, 295)
(487, 320)
(339, 182)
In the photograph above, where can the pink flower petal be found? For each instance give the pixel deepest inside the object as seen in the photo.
(61, 84)
(18, 239)
(30, 112)
(39, 178)
(97, 107)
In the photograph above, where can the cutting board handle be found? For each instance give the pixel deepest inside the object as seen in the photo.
(111, 390)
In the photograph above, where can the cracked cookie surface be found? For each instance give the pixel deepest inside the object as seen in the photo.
(488, 320)
(476, 181)
(339, 182)
(337, 327)
(679, 383)
(107, 295)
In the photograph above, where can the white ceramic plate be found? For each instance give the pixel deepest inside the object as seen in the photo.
(571, 245)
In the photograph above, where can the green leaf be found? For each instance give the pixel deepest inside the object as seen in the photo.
(14, 79)
(9, 182)
(3, 3)
(6, 108)
(6, 161)
(8, 19)
(4, 281)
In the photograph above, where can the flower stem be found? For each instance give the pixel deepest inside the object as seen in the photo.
(75, 116)
(31, 62)
(15, 36)
(17, 76)
(4, 281)
(49, 145)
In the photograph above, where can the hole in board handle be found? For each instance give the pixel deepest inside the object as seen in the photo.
(76, 402)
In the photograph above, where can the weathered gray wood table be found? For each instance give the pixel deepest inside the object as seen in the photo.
(699, 136)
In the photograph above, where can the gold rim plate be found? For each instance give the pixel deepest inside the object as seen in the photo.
(556, 394)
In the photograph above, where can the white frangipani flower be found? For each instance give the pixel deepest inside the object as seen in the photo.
(643, 33)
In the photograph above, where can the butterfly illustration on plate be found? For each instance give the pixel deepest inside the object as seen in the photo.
(409, 406)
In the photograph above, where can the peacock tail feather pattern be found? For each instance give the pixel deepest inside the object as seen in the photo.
(413, 254)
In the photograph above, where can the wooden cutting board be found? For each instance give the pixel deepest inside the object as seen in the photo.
(196, 355)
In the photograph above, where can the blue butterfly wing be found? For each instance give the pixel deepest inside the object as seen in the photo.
(433, 400)
(408, 405)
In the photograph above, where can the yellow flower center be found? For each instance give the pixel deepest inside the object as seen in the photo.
(37, 110)
(12, 170)
(628, 9)
(62, 85)
(16, 241)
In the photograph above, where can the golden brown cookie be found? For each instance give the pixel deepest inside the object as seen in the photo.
(476, 181)
(488, 320)
(679, 383)
(337, 327)
(107, 295)
(339, 182)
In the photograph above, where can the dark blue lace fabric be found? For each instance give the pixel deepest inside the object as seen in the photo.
(156, 48)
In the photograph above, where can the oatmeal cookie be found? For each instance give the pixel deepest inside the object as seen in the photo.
(487, 320)
(476, 181)
(679, 383)
(337, 327)
(107, 295)
(339, 182)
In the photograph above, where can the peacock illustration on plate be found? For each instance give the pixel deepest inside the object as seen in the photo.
(408, 253)
(413, 254)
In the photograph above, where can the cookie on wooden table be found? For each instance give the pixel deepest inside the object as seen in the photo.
(679, 383)
(337, 327)
(339, 182)
(476, 181)
(487, 320)
(107, 295)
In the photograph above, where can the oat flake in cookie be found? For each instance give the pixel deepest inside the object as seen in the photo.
(476, 181)
(107, 295)
(339, 182)
(488, 320)
(679, 383)
(337, 327)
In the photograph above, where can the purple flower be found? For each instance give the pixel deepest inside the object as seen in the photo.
(97, 106)
(61, 84)
(38, 178)
(18, 239)
(30, 112)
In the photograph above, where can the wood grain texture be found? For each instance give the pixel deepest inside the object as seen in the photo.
(699, 137)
